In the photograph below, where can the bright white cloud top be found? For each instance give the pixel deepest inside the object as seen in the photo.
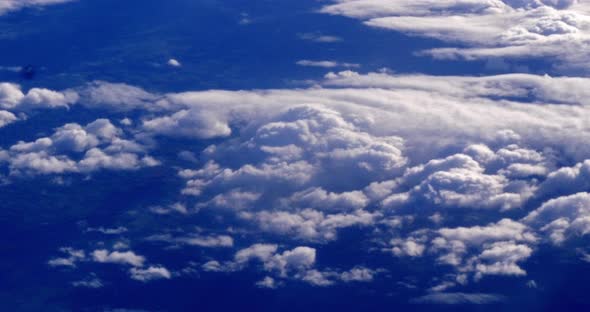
(394, 156)
(481, 29)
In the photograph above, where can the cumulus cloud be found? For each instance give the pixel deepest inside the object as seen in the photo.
(487, 29)
(98, 145)
(149, 274)
(297, 263)
(117, 257)
(6, 118)
(438, 168)
(562, 217)
(13, 98)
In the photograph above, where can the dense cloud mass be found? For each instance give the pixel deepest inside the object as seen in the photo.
(484, 29)
(473, 174)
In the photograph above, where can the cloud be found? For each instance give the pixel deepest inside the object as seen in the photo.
(174, 63)
(6, 118)
(562, 217)
(14, 99)
(267, 282)
(149, 274)
(196, 240)
(459, 298)
(318, 37)
(108, 231)
(486, 29)
(189, 123)
(427, 168)
(73, 256)
(117, 257)
(13, 5)
(358, 274)
(325, 64)
(89, 283)
(98, 145)
(118, 97)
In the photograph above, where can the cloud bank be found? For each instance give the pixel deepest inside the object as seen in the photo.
(484, 29)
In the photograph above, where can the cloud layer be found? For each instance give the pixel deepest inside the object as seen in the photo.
(484, 29)
(470, 174)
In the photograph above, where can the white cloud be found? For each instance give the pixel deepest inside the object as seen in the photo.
(562, 217)
(358, 274)
(98, 145)
(512, 29)
(381, 152)
(318, 37)
(174, 63)
(459, 298)
(325, 64)
(267, 282)
(13, 5)
(73, 256)
(149, 274)
(6, 118)
(309, 224)
(192, 123)
(118, 257)
(13, 98)
(196, 240)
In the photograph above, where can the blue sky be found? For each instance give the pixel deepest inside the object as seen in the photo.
(353, 155)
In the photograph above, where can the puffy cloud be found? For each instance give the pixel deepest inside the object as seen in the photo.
(6, 118)
(379, 151)
(297, 263)
(567, 180)
(13, 98)
(562, 217)
(267, 282)
(460, 181)
(150, 273)
(309, 224)
(189, 123)
(174, 63)
(358, 274)
(98, 145)
(409, 247)
(10, 95)
(117, 257)
(495, 249)
(504, 230)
